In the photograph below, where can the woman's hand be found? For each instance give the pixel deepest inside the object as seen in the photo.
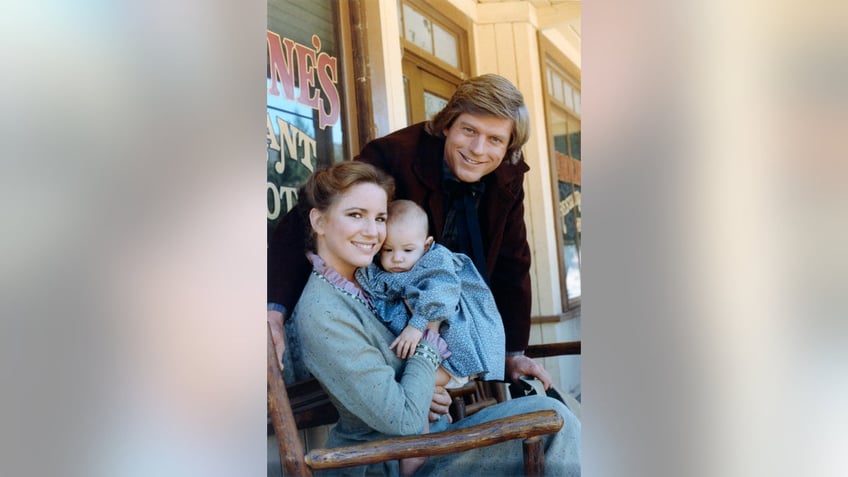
(440, 405)
(278, 334)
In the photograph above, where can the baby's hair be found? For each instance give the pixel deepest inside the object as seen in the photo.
(408, 213)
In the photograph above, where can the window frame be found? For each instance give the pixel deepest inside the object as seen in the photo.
(553, 61)
(422, 70)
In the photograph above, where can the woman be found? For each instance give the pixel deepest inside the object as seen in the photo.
(346, 346)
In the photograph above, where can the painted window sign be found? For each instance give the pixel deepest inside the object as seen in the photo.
(303, 122)
(317, 76)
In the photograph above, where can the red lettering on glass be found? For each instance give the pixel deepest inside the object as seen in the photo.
(316, 72)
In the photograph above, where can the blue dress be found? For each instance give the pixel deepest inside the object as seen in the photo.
(443, 286)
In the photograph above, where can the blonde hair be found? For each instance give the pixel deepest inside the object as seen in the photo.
(487, 95)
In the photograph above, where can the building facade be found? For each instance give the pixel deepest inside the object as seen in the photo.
(341, 73)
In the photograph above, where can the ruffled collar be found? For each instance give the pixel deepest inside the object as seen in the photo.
(336, 279)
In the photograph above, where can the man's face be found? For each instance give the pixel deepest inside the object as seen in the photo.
(476, 145)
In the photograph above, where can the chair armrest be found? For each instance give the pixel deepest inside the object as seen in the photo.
(521, 426)
(553, 349)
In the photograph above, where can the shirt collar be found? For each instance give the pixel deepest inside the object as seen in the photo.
(335, 278)
(448, 177)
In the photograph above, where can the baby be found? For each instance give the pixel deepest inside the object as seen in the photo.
(422, 285)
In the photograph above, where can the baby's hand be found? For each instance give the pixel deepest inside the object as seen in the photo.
(406, 342)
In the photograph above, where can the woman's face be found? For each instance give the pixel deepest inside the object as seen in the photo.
(352, 230)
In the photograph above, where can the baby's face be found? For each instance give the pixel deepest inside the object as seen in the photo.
(403, 247)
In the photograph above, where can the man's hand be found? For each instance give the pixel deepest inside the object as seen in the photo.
(440, 405)
(406, 342)
(278, 334)
(520, 365)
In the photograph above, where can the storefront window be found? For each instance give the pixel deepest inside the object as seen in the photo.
(304, 113)
(564, 129)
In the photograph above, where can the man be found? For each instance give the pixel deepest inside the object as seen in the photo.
(466, 169)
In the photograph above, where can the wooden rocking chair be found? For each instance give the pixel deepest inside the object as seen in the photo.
(305, 405)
